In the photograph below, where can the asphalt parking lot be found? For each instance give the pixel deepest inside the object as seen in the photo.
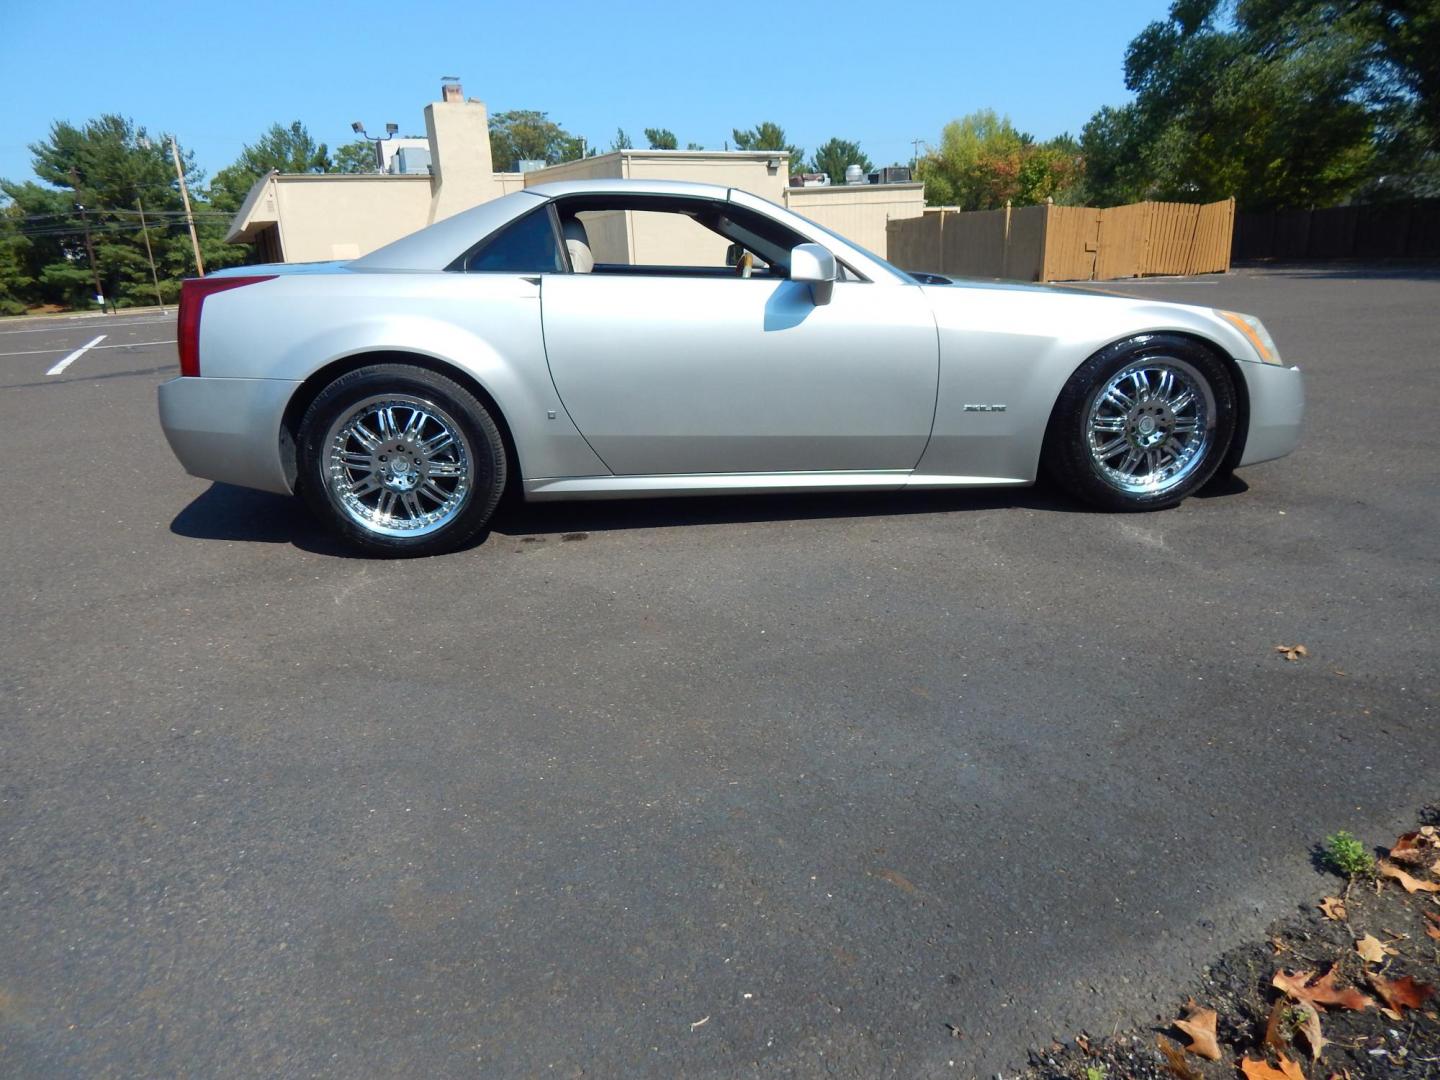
(737, 787)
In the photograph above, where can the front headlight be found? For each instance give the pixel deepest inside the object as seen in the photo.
(1255, 333)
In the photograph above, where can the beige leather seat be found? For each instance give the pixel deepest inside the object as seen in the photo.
(577, 242)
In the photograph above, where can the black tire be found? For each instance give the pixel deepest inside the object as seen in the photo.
(473, 463)
(1069, 457)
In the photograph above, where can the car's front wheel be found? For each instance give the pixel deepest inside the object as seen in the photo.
(400, 460)
(1142, 424)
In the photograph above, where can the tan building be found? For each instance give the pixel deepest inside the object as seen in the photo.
(321, 216)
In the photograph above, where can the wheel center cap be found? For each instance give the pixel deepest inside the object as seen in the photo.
(1146, 425)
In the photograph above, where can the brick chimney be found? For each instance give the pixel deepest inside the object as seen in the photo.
(451, 92)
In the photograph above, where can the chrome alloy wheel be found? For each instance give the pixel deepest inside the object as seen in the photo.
(1151, 425)
(398, 465)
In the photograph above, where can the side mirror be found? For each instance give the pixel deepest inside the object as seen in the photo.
(815, 266)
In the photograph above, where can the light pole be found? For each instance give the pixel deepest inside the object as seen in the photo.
(89, 247)
(150, 254)
(391, 130)
(185, 197)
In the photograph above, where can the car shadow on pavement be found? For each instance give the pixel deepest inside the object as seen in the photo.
(517, 518)
(224, 512)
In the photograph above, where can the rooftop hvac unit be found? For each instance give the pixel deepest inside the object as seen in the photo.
(891, 174)
(411, 160)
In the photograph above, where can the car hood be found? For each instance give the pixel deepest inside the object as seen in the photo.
(1073, 314)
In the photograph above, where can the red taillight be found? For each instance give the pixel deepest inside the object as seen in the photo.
(192, 298)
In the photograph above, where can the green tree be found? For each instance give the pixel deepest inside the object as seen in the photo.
(109, 167)
(661, 138)
(983, 162)
(621, 141)
(356, 156)
(280, 149)
(769, 136)
(527, 135)
(1275, 102)
(833, 156)
(17, 282)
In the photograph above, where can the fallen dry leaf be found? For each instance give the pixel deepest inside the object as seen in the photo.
(1410, 849)
(1199, 1024)
(1332, 907)
(1292, 652)
(1175, 1059)
(1322, 991)
(1401, 994)
(1259, 1069)
(1408, 883)
(1372, 950)
(1433, 931)
(1309, 1026)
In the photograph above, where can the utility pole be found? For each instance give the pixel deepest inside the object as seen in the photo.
(89, 247)
(916, 144)
(189, 217)
(145, 231)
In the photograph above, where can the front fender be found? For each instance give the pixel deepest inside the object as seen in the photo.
(1016, 347)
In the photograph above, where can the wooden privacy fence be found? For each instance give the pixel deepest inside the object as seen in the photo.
(1387, 230)
(1067, 243)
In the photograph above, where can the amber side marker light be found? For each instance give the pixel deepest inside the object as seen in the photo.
(193, 292)
(1255, 332)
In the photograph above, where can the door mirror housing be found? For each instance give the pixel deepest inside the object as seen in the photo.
(816, 267)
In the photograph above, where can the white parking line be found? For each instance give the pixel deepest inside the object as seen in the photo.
(63, 364)
(114, 345)
(65, 328)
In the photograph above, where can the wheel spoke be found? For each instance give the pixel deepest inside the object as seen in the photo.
(1117, 397)
(435, 492)
(387, 504)
(364, 437)
(442, 468)
(1131, 460)
(1110, 449)
(365, 485)
(1185, 425)
(1166, 385)
(414, 425)
(386, 419)
(1108, 423)
(437, 443)
(352, 460)
(411, 502)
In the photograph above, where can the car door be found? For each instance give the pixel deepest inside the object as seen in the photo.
(674, 374)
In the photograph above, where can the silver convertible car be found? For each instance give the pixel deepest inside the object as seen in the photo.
(614, 338)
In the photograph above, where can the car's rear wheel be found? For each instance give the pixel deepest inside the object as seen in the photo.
(400, 461)
(1142, 424)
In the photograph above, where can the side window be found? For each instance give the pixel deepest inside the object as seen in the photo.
(526, 246)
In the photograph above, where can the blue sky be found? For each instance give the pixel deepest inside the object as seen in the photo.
(882, 73)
